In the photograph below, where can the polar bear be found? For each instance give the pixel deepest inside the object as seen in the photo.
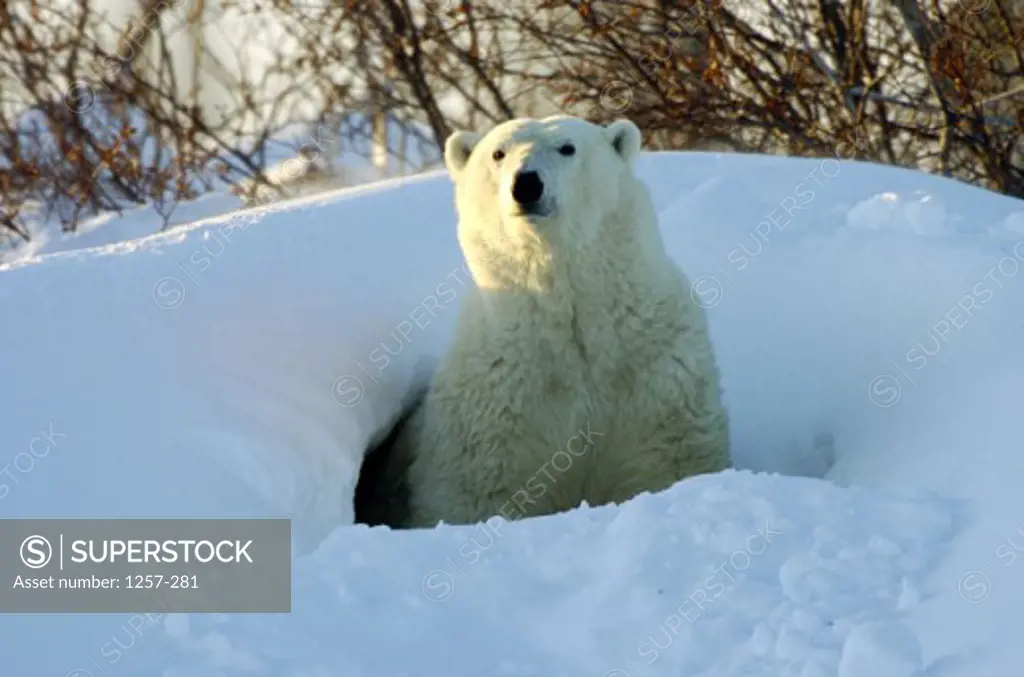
(581, 368)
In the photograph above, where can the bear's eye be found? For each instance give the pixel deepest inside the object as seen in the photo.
(567, 149)
(498, 155)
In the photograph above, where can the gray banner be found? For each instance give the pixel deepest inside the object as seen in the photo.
(144, 566)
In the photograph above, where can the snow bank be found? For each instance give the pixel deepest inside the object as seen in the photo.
(196, 352)
(867, 323)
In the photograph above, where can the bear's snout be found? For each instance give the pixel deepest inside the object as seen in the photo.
(527, 189)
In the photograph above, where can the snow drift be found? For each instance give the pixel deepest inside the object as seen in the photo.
(867, 322)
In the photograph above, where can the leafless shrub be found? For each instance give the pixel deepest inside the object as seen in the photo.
(938, 88)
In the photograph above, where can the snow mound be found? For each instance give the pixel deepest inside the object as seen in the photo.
(867, 322)
(736, 574)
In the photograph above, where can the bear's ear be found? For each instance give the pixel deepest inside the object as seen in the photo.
(457, 150)
(625, 139)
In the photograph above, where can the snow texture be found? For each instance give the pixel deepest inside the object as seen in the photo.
(867, 321)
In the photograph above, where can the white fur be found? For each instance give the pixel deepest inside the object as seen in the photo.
(581, 369)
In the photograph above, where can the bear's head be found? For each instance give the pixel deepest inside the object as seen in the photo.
(532, 190)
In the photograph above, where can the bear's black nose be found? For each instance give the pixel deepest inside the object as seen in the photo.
(527, 188)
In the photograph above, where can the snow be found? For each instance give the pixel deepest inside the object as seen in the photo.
(867, 322)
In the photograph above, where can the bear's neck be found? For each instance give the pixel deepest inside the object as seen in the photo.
(585, 296)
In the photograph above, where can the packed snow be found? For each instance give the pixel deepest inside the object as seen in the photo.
(867, 322)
